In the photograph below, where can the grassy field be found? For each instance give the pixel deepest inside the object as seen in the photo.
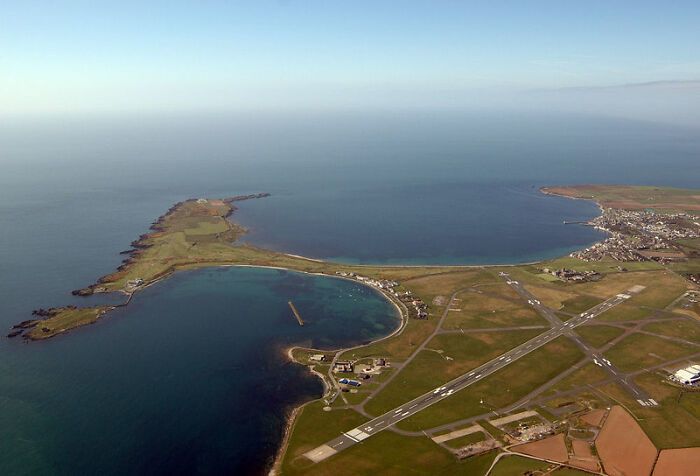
(500, 389)
(681, 329)
(480, 311)
(553, 297)
(625, 312)
(639, 351)
(66, 319)
(501, 289)
(431, 369)
(661, 199)
(588, 374)
(662, 287)
(391, 454)
(598, 336)
(447, 283)
(313, 427)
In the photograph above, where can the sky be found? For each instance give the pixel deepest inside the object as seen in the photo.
(93, 56)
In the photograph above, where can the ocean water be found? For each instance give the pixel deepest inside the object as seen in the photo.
(156, 388)
(191, 378)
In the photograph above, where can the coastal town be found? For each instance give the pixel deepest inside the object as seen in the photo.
(640, 235)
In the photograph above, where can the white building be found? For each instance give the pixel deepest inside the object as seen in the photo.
(688, 375)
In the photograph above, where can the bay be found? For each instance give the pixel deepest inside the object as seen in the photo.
(428, 187)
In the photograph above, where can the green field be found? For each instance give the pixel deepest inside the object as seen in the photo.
(680, 329)
(588, 374)
(500, 389)
(392, 454)
(639, 351)
(480, 311)
(66, 319)
(430, 369)
(598, 336)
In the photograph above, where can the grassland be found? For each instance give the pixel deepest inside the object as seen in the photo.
(65, 319)
(500, 389)
(598, 336)
(391, 454)
(639, 351)
(660, 199)
(481, 311)
(588, 374)
(680, 329)
(430, 368)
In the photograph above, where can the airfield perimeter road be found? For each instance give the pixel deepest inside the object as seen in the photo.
(558, 329)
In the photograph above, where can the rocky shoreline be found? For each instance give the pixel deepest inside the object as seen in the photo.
(134, 253)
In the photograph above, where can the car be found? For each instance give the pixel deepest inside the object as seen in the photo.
(597, 363)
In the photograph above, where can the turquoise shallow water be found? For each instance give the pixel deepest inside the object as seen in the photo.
(190, 378)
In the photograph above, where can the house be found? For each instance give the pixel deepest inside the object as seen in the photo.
(343, 366)
(317, 358)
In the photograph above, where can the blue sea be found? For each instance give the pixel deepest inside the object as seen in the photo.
(191, 378)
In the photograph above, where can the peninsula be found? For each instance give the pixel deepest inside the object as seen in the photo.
(496, 369)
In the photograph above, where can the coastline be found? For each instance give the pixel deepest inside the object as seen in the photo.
(295, 412)
(292, 417)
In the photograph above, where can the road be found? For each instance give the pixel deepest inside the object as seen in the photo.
(559, 328)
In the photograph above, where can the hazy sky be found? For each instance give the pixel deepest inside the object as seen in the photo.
(58, 56)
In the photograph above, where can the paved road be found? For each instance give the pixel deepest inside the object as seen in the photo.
(558, 329)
